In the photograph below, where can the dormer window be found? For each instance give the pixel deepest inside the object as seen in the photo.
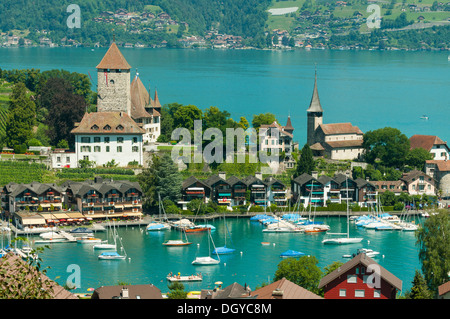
(107, 128)
(94, 127)
(119, 127)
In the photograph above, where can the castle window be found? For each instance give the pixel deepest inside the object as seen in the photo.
(85, 140)
(135, 149)
(96, 148)
(119, 149)
(107, 149)
(120, 140)
(96, 139)
(111, 82)
(106, 139)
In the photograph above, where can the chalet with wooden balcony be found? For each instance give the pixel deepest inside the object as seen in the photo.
(34, 197)
(307, 190)
(348, 188)
(276, 191)
(367, 193)
(258, 190)
(105, 199)
(193, 188)
(221, 191)
(238, 191)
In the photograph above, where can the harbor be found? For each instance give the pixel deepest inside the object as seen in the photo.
(253, 262)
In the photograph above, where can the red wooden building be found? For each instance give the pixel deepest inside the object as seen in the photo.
(360, 278)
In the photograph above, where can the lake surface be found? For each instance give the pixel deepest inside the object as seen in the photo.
(370, 89)
(252, 263)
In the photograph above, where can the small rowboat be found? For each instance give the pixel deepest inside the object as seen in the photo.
(265, 243)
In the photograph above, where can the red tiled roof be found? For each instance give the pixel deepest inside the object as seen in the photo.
(366, 261)
(107, 123)
(284, 289)
(442, 165)
(340, 128)
(425, 141)
(113, 59)
(444, 288)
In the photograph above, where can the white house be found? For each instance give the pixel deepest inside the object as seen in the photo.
(105, 136)
(433, 144)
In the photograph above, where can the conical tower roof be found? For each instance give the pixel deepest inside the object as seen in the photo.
(315, 106)
(113, 59)
(289, 126)
(139, 99)
(156, 103)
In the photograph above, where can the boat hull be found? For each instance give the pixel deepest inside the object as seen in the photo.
(341, 241)
(176, 243)
(205, 261)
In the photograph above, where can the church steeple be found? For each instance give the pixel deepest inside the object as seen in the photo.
(314, 105)
(314, 114)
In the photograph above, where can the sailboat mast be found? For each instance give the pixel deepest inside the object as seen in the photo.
(348, 224)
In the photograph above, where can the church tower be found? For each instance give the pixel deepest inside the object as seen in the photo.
(113, 82)
(314, 114)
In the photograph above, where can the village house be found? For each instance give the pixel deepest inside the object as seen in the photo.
(433, 144)
(444, 291)
(274, 137)
(100, 199)
(340, 141)
(319, 191)
(419, 183)
(31, 197)
(360, 278)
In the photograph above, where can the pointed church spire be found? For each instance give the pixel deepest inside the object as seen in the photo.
(315, 106)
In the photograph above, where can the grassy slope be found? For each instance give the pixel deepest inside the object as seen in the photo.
(286, 22)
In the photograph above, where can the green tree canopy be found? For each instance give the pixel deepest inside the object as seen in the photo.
(264, 118)
(419, 289)
(305, 163)
(161, 177)
(21, 117)
(433, 239)
(417, 157)
(303, 272)
(388, 145)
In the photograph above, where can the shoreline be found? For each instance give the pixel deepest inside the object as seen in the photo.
(149, 218)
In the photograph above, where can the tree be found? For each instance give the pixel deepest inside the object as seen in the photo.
(419, 289)
(433, 239)
(388, 145)
(161, 177)
(185, 115)
(305, 164)
(176, 291)
(260, 119)
(303, 272)
(64, 108)
(417, 157)
(21, 117)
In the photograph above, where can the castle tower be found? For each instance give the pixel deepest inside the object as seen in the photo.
(289, 128)
(314, 114)
(113, 82)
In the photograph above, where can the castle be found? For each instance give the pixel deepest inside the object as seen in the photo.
(126, 117)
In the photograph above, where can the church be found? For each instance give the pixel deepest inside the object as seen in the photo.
(126, 117)
(337, 141)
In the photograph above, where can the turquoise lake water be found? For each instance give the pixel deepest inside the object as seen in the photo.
(370, 89)
(252, 263)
